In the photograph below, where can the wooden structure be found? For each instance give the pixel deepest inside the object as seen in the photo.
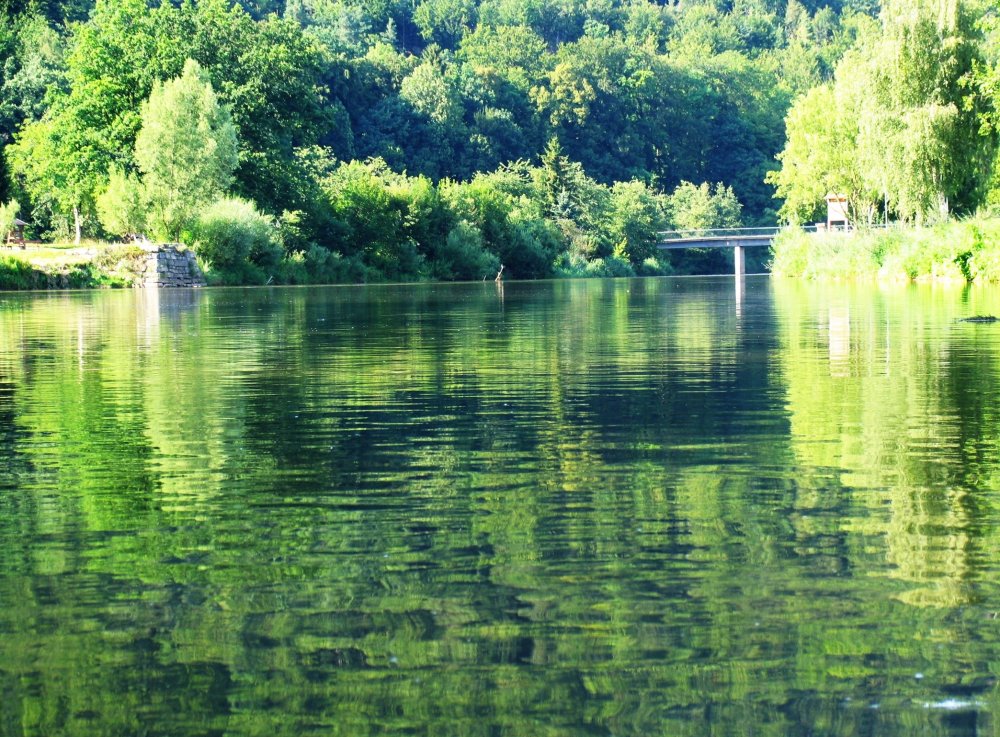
(16, 236)
(836, 212)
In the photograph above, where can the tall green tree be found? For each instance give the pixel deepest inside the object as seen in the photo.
(696, 207)
(900, 123)
(921, 121)
(60, 162)
(821, 154)
(187, 150)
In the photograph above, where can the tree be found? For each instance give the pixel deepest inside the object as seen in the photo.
(566, 97)
(900, 124)
(920, 133)
(8, 214)
(636, 217)
(236, 241)
(697, 207)
(821, 154)
(59, 161)
(445, 21)
(516, 53)
(186, 149)
(31, 67)
(429, 91)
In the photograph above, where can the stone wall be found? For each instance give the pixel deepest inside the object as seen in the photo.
(171, 265)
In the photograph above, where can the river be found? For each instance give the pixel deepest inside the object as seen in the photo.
(619, 507)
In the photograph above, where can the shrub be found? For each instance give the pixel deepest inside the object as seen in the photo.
(575, 266)
(530, 248)
(693, 207)
(463, 256)
(236, 243)
(18, 274)
(329, 267)
(983, 264)
(364, 196)
(654, 266)
(611, 266)
(120, 266)
(953, 251)
(636, 216)
(8, 213)
(120, 208)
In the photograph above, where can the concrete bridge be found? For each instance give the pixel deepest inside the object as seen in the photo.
(735, 238)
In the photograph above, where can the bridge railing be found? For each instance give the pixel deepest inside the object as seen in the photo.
(696, 233)
(670, 235)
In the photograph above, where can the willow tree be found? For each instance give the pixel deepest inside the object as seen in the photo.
(898, 126)
(920, 139)
(187, 150)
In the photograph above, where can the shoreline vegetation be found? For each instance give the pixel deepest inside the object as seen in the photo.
(364, 141)
(965, 251)
(95, 266)
(955, 251)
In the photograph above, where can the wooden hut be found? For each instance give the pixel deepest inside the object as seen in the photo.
(836, 212)
(16, 236)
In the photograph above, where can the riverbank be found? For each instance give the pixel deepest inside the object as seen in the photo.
(92, 266)
(966, 250)
(98, 265)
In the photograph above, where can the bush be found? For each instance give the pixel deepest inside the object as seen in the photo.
(364, 197)
(953, 251)
(636, 217)
(575, 266)
(120, 266)
(236, 243)
(463, 256)
(329, 267)
(612, 266)
(8, 214)
(18, 274)
(695, 207)
(983, 264)
(120, 208)
(530, 248)
(654, 266)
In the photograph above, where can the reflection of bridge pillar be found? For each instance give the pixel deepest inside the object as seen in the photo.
(738, 261)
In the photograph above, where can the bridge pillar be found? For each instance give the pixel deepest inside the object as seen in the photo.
(739, 261)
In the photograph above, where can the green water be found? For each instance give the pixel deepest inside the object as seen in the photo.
(632, 507)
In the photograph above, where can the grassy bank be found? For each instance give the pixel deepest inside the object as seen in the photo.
(967, 250)
(98, 266)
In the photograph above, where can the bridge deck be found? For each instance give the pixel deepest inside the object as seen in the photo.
(735, 238)
(717, 241)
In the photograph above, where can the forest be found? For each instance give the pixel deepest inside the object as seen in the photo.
(297, 141)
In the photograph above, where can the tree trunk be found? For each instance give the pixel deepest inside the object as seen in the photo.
(78, 225)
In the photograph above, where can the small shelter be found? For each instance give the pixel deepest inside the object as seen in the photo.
(16, 234)
(836, 212)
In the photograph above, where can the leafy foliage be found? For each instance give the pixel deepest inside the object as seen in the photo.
(186, 150)
(236, 242)
(956, 251)
(434, 139)
(694, 207)
(900, 125)
(8, 213)
(121, 207)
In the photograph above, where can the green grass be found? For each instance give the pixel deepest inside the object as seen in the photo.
(73, 267)
(962, 250)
